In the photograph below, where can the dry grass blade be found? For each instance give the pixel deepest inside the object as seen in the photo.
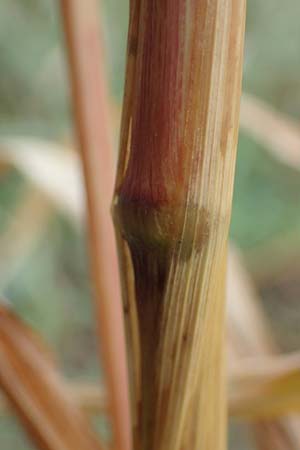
(36, 391)
(278, 435)
(90, 397)
(172, 213)
(248, 332)
(50, 167)
(249, 337)
(90, 105)
(278, 133)
(265, 387)
(22, 232)
(259, 388)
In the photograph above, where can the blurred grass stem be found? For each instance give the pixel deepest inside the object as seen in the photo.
(90, 105)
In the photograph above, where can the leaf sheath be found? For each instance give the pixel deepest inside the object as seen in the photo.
(172, 211)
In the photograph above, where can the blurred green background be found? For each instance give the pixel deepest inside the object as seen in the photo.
(48, 282)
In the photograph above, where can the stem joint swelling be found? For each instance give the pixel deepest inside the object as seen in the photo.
(166, 229)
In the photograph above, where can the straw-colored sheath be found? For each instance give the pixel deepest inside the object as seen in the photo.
(172, 211)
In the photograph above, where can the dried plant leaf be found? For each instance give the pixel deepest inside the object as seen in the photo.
(22, 232)
(265, 387)
(50, 167)
(91, 398)
(278, 435)
(248, 332)
(56, 172)
(279, 134)
(249, 337)
(36, 391)
(259, 388)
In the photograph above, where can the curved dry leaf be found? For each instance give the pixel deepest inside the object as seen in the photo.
(51, 168)
(37, 392)
(277, 435)
(266, 387)
(249, 337)
(275, 131)
(90, 397)
(22, 232)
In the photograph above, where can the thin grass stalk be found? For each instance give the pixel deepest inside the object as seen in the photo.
(89, 100)
(172, 210)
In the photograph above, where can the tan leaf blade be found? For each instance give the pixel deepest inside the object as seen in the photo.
(90, 397)
(22, 232)
(50, 167)
(265, 387)
(37, 392)
(249, 337)
(278, 133)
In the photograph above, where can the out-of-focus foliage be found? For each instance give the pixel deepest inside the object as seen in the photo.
(12, 435)
(266, 194)
(50, 285)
